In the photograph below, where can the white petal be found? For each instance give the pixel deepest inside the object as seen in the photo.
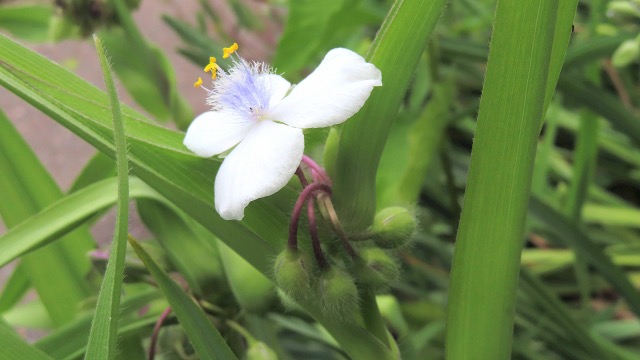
(276, 85)
(331, 94)
(215, 132)
(259, 166)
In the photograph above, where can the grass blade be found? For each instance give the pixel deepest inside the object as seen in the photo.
(485, 268)
(65, 215)
(204, 337)
(103, 336)
(57, 272)
(13, 347)
(364, 135)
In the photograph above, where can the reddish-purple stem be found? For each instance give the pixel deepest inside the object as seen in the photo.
(315, 240)
(297, 209)
(301, 177)
(317, 168)
(156, 332)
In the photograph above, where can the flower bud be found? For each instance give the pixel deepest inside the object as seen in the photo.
(376, 269)
(393, 227)
(260, 351)
(338, 292)
(293, 274)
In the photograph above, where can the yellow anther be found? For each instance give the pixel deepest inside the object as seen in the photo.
(211, 67)
(229, 50)
(198, 83)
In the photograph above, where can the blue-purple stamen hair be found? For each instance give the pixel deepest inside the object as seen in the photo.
(239, 90)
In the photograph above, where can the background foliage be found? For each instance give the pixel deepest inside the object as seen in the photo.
(543, 214)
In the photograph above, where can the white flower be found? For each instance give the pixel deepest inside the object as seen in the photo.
(257, 119)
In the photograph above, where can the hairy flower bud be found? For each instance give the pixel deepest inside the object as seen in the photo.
(338, 292)
(376, 269)
(393, 227)
(260, 351)
(293, 273)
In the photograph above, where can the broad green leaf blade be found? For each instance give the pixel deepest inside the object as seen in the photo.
(486, 262)
(363, 136)
(103, 337)
(13, 346)
(204, 337)
(57, 272)
(65, 215)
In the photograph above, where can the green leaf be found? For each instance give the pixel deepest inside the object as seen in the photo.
(296, 48)
(65, 215)
(103, 337)
(363, 136)
(14, 288)
(485, 267)
(570, 234)
(57, 272)
(13, 346)
(145, 70)
(29, 22)
(205, 338)
(195, 258)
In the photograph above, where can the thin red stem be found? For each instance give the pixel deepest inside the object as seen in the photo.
(297, 210)
(317, 168)
(156, 332)
(301, 177)
(315, 240)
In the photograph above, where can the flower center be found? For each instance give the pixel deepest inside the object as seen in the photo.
(242, 89)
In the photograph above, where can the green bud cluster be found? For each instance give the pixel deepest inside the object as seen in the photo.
(393, 227)
(376, 270)
(332, 290)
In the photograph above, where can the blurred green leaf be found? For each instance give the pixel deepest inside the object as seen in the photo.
(26, 21)
(204, 337)
(63, 216)
(14, 347)
(57, 272)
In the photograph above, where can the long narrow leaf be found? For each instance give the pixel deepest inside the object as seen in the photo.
(485, 267)
(63, 216)
(364, 135)
(14, 347)
(103, 339)
(57, 272)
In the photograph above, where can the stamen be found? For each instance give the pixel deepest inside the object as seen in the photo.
(229, 50)
(198, 83)
(212, 66)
